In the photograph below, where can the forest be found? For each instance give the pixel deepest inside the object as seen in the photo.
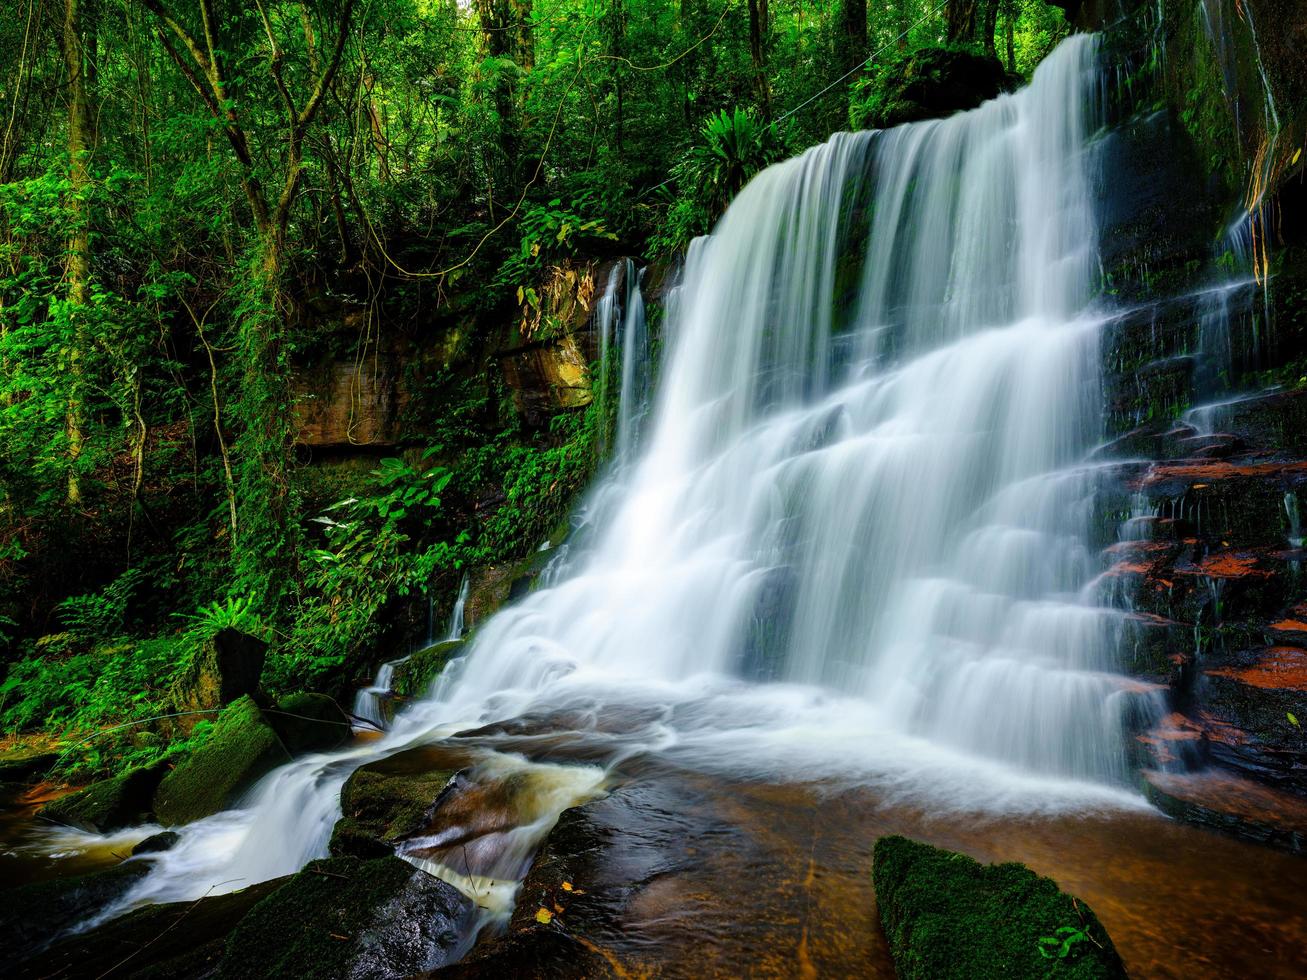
(477, 479)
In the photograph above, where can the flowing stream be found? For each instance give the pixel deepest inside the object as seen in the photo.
(850, 541)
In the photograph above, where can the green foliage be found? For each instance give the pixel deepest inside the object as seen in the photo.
(100, 615)
(235, 612)
(733, 147)
(1062, 942)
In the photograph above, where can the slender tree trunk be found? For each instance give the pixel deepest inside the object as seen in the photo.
(78, 270)
(991, 26)
(961, 21)
(1010, 29)
(758, 52)
(852, 46)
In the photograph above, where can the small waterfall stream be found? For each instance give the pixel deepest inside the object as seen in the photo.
(370, 704)
(852, 539)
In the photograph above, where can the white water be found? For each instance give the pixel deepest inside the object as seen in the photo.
(862, 483)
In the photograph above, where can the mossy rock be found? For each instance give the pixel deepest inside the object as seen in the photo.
(177, 941)
(241, 748)
(26, 765)
(413, 677)
(349, 917)
(34, 914)
(309, 723)
(222, 670)
(123, 801)
(948, 916)
(384, 803)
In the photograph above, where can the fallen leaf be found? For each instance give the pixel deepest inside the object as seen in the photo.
(544, 916)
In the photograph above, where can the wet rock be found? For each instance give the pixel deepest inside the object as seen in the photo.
(157, 843)
(241, 748)
(33, 915)
(124, 801)
(178, 941)
(309, 723)
(386, 802)
(1232, 805)
(26, 765)
(223, 669)
(413, 677)
(948, 916)
(349, 917)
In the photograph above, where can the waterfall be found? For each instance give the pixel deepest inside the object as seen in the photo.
(856, 528)
(370, 702)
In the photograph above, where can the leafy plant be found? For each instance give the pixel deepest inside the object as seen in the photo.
(1062, 942)
(234, 612)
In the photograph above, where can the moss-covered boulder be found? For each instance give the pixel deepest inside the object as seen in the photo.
(948, 916)
(413, 676)
(34, 914)
(221, 670)
(349, 917)
(384, 803)
(123, 801)
(241, 748)
(178, 941)
(309, 723)
(26, 765)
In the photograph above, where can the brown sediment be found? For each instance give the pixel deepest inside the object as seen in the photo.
(1217, 470)
(1281, 668)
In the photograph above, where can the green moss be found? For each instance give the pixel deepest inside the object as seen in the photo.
(414, 676)
(112, 803)
(381, 806)
(242, 748)
(343, 917)
(309, 723)
(947, 916)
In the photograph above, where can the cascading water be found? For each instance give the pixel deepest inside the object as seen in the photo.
(370, 702)
(862, 482)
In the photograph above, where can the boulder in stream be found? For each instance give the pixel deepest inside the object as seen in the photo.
(34, 914)
(123, 801)
(26, 765)
(948, 916)
(414, 675)
(385, 802)
(242, 747)
(309, 722)
(349, 917)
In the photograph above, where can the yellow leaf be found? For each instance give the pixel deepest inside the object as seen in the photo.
(1296, 154)
(519, 295)
(544, 916)
(567, 886)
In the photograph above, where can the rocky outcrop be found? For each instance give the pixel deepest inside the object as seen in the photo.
(307, 722)
(386, 802)
(178, 941)
(223, 669)
(33, 915)
(240, 749)
(947, 916)
(347, 917)
(124, 801)
(414, 675)
(26, 765)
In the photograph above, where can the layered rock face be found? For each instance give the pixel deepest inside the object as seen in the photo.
(1203, 243)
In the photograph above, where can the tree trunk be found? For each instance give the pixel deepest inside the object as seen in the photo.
(961, 21)
(853, 33)
(991, 26)
(78, 268)
(1010, 29)
(758, 52)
